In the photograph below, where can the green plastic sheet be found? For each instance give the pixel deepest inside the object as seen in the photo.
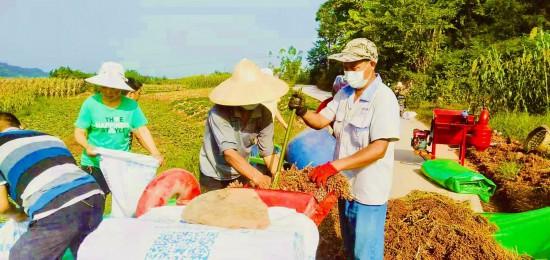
(526, 233)
(257, 159)
(68, 255)
(457, 178)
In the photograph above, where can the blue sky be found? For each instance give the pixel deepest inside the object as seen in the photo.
(157, 37)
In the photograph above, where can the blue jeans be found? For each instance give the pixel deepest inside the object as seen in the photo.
(48, 238)
(363, 229)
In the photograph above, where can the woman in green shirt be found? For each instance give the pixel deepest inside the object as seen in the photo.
(107, 118)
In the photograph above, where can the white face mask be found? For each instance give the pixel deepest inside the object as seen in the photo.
(250, 107)
(355, 78)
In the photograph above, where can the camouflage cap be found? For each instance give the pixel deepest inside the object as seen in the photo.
(357, 49)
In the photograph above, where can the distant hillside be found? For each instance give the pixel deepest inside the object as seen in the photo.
(7, 70)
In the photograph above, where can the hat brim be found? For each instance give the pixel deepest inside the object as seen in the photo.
(109, 82)
(346, 57)
(271, 106)
(233, 92)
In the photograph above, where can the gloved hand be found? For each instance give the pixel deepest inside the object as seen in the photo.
(321, 173)
(297, 102)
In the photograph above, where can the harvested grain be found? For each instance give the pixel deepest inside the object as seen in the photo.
(527, 190)
(421, 225)
(330, 239)
(298, 180)
(426, 225)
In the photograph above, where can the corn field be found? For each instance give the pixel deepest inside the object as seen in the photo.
(518, 84)
(191, 82)
(16, 94)
(154, 88)
(200, 81)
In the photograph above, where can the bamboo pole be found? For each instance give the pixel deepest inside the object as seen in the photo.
(275, 183)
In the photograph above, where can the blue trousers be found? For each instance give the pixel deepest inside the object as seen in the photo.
(48, 238)
(363, 229)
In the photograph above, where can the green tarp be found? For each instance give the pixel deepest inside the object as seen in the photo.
(457, 178)
(526, 232)
(255, 157)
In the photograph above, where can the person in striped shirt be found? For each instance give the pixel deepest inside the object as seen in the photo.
(40, 176)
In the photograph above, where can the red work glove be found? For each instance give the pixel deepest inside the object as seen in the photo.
(321, 173)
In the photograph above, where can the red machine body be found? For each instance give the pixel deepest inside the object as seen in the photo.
(481, 133)
(457, 128)
(450, 127)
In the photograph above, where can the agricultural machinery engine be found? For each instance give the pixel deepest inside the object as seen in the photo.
(455, 128)
(420, 140)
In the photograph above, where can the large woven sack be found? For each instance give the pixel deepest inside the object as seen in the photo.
(229, 208)
(10, 232)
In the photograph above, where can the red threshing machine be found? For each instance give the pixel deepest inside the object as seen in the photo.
(455, 128)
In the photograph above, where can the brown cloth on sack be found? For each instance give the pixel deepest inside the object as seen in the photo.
(229, 208)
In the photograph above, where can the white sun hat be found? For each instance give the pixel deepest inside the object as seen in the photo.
(247, 86)
(110, 75)
(267, 71)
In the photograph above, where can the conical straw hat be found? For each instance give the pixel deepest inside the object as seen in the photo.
(271, 106)
(247, 86)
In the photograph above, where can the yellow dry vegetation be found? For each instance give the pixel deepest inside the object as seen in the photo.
(20, 93)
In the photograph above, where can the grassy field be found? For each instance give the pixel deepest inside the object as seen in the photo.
(176, 120)
(177, 117)
(518, 125)
(191, 82)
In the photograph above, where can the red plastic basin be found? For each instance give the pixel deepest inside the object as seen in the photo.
(303, 202)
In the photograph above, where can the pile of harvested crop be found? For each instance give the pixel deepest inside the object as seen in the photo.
(523, 179)
(331, 245)
(330, 239)
(428, 225)
(298, 180)
(422, 225)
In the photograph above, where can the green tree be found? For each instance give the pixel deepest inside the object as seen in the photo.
(68, 73)
(331, 17)
(136, 76)
(431, 45)
(290, 68)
